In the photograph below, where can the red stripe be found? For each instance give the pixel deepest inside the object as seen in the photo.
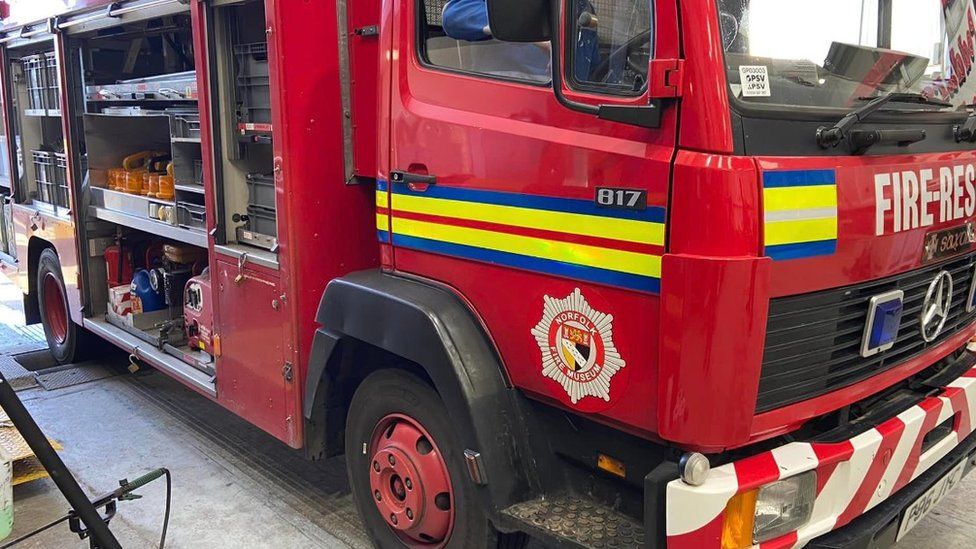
(709, 535)
(960, 405)
(833, 453)
(891, 433)
(756, 471)
(970, 373)
(782, 542)
(823, 475)
(829, 456)
(536, 233)
(932, 407)
(384, 211)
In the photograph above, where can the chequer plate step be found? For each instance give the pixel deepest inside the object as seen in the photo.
(579, 521)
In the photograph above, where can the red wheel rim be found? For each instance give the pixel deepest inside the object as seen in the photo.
(55, 309)
(410, 483)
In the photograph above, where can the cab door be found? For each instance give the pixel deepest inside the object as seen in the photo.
(528, 209)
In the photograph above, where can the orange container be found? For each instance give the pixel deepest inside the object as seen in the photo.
(115, 178)
(153, 184)
(167, 190)
(133, 181)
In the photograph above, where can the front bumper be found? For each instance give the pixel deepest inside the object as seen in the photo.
(878, 527)
(864, 482)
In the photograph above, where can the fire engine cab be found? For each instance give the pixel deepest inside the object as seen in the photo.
(603, 273)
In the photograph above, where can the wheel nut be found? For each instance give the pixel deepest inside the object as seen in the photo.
(408, 484)
(392, 460)
(376, 466)
(410, 513)
(378, 496)
(393, 518)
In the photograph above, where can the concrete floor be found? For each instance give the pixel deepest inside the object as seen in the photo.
(233, 486)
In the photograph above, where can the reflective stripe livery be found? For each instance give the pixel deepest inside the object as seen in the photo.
(558, 236)
(801, 213)
(853, 476)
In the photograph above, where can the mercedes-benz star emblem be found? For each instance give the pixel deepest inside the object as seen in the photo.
(935, 309)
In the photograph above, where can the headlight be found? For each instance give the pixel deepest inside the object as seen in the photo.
(769, 512)
(784, 506)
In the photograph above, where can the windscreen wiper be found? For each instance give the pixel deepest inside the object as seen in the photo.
(859, 141)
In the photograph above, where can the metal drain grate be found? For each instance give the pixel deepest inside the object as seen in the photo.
(70, 375)
(16, 375)
(17, 338)
(34, 332)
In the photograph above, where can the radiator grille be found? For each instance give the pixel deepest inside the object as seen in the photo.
(813, 341)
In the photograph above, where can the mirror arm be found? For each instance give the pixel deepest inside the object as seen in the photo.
(647, 116)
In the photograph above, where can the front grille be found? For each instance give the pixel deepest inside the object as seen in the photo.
(813, 341)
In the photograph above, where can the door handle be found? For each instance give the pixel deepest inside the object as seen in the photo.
(413, 178)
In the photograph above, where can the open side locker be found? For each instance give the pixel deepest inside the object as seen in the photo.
(136, 143)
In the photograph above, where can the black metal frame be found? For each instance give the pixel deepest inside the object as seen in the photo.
(86, 511)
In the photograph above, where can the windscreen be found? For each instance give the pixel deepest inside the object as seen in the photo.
(836, 53)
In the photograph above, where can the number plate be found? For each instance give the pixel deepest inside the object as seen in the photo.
(940, 244)
(930, 499)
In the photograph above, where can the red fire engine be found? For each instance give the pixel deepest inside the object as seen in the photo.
(671, 273)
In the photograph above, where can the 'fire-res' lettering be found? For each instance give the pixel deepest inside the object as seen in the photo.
(916, 198)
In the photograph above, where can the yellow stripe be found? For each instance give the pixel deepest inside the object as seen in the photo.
(627, 230)
(795, 232)
(589, 256)
(382, 200)
(382, 222)
(800, 198)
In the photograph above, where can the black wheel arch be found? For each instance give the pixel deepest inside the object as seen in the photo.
(407, 323)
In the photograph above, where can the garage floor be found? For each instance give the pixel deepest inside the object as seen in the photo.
(233, 486)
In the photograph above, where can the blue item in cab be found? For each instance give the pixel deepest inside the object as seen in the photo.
(141, 288)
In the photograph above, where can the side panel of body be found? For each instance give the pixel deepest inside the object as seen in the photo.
(61, 235)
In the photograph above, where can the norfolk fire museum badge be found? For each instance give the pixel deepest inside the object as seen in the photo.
(577, 347)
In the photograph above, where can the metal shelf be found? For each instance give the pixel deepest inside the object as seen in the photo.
(43, 113)
(186, 373)
(188, 188)
(164, 88)
(165, 230)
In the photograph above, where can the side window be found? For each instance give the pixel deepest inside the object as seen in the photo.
(610, 45)
(454, 35)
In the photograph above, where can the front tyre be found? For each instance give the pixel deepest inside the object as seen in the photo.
(61, 332)
(406, 469)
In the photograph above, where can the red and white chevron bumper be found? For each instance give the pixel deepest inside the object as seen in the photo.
(852, 476)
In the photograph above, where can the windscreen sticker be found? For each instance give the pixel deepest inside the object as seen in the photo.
(755, 81)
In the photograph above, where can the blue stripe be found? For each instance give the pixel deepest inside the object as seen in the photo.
(652, 214)
(383, 236)
(381, 185)
(568, 270)
(799, 178)
(803, 250)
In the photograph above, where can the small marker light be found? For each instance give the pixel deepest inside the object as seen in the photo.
(611, 465)
(694, 468)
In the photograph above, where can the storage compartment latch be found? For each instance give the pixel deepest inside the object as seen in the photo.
(241, 262)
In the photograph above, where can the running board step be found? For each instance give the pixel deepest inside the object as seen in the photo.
(578, 522)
